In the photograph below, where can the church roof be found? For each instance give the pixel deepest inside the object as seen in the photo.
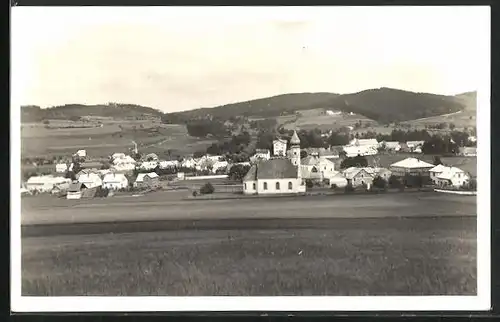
(271, 169)
(295, 138)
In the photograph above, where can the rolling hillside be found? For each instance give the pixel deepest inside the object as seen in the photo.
(66, 112)
(384, 105)
(264, 107)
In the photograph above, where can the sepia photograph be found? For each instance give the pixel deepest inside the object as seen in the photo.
(250, 158)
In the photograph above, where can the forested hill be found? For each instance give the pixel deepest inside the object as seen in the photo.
(384, 105)
(263, 107)
(31, 113)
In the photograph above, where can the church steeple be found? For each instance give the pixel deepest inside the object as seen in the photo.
(295, 152)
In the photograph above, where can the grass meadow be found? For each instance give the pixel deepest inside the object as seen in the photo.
(391, 256)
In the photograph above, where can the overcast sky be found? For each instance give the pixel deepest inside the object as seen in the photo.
(184, 58)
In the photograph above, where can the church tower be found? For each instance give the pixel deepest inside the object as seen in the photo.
(295, 152)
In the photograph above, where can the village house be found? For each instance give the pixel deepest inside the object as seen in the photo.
(219, 165)
(379, 172)
(122, 158)
(147, 180)
(338, 180)
(435, 171)
(391, 146)
(81, 153)
(90, 179)
(415, 146)
(61, 167)
(276, 176)
(115, 181)
(279, 147)
(261, 154)
(411, 166)
(452, 176)
(46, 183)
(123, 167)
(467, 151)
(118, 156)
(362, 150)
(148, 165)
(317, 168)
(358, 177)
(188, 163)
(169, 164)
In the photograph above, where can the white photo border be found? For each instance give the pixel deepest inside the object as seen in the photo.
(481, 302)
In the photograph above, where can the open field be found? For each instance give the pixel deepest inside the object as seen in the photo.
(390, 256)
(462, 119)
(315, 118)
(168, 205)
(36, 140)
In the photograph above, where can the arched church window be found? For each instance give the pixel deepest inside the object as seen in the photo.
(277, 186)
(290, 185)
(265, 185)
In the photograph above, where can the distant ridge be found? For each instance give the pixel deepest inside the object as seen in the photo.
(384, 105)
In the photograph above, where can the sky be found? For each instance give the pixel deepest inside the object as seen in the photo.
(180, 58)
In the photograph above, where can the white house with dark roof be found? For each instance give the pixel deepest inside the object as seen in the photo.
(276, 176)
(114, 181)
(279, 147)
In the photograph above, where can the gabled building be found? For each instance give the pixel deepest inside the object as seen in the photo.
(279, 147)
(90, 179)
(411, 166)
(115, 181)
(358, 176)
(46, 183)
(467, 151)
(317, 168)
(452, 176)
(261, 154)
(147, 180)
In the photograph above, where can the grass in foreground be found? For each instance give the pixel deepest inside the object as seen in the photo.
(409, 257)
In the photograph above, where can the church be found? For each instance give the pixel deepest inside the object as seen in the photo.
(276, 176)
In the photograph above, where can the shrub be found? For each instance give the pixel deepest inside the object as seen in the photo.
(379, 182)
(207, 188)
(309, 183)
(349, 188)
(195, 193)
(394, 182)
(333, 186)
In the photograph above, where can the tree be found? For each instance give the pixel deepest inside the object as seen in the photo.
(238, 171)
(70, 175)
(379, 182)
(437, 160)
(74, 118)
(303, 154)
(309, 183)
(349, 188)
(207, 188)
(46, 122)
(451, 126)
(357, 161)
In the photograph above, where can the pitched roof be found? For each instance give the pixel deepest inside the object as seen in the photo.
(412, 163)
(438, 168)
(272, 169)
(279, 140)
(295, 138)
(351, 172)
(309, 160)
(114, 177)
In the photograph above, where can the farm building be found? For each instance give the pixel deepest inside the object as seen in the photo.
(147, 180)
(279, 147)
(61, 167)
(115, 181)
(373, 143)
(362, 150)
(46, 183)
(467, 151)
(78, 190)
(261, 154)
(411, 166)
(358, 176)
(123, 159)
(276, 176)
(89, 179)
(448, 176)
